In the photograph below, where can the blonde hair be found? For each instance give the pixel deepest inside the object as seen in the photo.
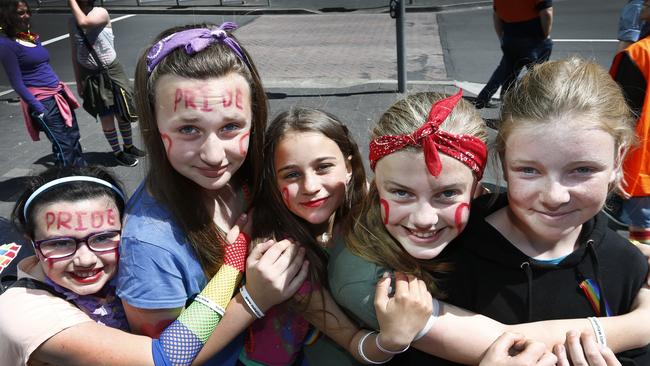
(368, 237)
(565, 88)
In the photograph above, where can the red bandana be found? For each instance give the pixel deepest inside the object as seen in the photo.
(467, 149)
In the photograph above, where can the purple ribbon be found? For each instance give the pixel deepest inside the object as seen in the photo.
(194, 40)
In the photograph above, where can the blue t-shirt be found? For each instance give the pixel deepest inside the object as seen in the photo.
(158, 268)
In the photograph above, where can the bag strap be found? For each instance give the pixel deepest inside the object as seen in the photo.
(90, 48)
(31, 283)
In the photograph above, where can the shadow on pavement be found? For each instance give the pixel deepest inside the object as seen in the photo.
(104, 159)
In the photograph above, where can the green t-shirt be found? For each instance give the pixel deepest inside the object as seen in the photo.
(352, 283)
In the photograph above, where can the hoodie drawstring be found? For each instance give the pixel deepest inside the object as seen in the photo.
(529, 276)
(603, 308)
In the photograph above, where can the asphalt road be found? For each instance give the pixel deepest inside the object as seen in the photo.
(469, 47)
(586, 28)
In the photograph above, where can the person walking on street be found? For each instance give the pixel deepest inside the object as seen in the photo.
(48, 105)
(631, 69)
(524, 31)
(629, 24)
(101, 80)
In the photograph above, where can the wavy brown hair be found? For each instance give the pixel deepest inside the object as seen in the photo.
(272, 217)
(181, 196)
(368, 237)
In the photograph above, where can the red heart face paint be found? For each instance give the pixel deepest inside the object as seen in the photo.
(243, 143)
(460, 218)
(384, 205)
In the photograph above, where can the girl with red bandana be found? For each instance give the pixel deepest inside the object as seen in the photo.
(428, 154)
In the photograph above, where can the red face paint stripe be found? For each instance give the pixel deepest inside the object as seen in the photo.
(168, 145)
(285, 196)
(459, 216)
(386, 208)
(242, 141)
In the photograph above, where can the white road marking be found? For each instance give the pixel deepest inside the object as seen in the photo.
(64, 36)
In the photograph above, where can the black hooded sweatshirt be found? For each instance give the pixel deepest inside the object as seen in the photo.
(494, 278)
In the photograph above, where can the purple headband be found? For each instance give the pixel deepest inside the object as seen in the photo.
(194, 40)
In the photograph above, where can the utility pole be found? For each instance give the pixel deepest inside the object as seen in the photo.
(397, 12)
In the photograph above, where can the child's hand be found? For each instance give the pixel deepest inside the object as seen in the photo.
(275, 271)
(512, 349)
(402, 316)
(244, 224)
(584, 351)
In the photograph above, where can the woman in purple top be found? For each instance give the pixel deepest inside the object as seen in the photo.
(48, 105)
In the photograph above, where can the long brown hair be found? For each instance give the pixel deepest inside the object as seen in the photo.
(272, 217)
(181, 196)
(368, 237)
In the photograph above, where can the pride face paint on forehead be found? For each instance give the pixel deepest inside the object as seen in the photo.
(79, 220)
(205, 126)
(204, 101)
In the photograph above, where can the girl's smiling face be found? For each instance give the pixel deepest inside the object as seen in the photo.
(312, 175)
(86, 271)
(205, 126)
(422, 212)
(558, 176)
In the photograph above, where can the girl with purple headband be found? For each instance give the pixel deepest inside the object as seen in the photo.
(203, 112)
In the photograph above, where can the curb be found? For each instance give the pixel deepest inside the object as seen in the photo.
(224, 10)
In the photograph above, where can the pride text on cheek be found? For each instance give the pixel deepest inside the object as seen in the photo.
(190, 99)
(80, 220)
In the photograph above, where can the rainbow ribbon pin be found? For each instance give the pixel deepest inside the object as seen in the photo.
(592, 291)
(8, 253)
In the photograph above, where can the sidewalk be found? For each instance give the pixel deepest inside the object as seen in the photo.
(343, 63)
(248, 7)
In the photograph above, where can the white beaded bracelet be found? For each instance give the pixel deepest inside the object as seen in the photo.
(363, 355)
(259, 314)
(599, 331)
(432, 319)
(389, 351)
